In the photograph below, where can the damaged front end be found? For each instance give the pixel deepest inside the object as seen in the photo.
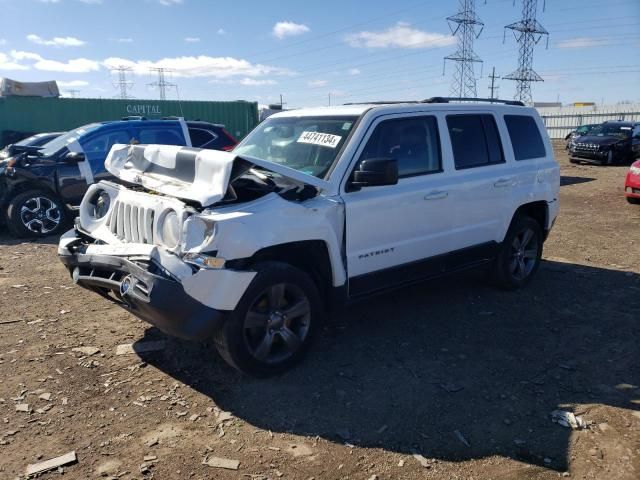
(161, 246)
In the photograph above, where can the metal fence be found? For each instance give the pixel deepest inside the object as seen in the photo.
(561, 121)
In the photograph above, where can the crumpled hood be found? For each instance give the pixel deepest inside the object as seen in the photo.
(194, 174)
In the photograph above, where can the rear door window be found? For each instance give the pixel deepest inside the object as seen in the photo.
(475, 140)
(160, 136)
(525, 137)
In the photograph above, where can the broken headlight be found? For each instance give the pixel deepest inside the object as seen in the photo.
(99, 204)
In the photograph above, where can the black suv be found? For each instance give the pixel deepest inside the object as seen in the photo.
(41, 187)
(607, 144)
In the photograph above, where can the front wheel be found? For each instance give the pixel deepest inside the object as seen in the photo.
(520, 254)
(273, 324)
(36, 214)
(633, 201)
(610, 159)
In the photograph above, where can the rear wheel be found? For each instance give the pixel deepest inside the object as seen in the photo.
(273, 324)
(35, 214)
(520, 254)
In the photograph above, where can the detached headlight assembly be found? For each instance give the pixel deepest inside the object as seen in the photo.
(170, 230)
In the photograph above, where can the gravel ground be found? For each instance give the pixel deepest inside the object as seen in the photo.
(453, 370)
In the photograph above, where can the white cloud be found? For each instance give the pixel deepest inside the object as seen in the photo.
(168, 3)
(201, 66)
(124, 40)
(221, 31)
(354, 71)
(191, 39)
(252, 82)
(401, 35)
(318, 83)
(3, 41)
(7, 63)
(289, 29)
(76, 65)
(583, 42)
(56, 41)
(73, 84)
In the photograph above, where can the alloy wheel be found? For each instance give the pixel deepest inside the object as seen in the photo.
(277, 323)
(524, 254)
(40, 215)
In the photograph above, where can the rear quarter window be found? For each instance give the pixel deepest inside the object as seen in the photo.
(525, 137)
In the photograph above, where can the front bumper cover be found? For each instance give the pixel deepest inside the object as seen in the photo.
(146, 291)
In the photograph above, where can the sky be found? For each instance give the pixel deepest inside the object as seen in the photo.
(313, 53)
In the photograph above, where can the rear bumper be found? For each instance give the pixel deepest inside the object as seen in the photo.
(146, 292)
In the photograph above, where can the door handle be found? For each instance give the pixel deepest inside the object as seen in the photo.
(437, 195)
(503, 182)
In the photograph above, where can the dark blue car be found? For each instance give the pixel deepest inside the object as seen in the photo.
(39, 187)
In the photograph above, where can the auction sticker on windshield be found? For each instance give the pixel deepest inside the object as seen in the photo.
(322, 139)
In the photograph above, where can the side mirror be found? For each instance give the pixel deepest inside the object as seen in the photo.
(375, 172)
(74, 157)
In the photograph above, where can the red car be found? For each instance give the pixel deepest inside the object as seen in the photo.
(632, 185)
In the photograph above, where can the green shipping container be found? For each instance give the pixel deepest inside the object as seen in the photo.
(36, 115)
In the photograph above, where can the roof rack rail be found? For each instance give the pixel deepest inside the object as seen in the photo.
(465, 99)
(133, 118)
(391, 102)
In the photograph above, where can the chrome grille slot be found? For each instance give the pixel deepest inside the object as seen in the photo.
(131, 223)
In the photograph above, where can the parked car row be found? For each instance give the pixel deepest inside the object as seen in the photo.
(42, 182)
(609, 143)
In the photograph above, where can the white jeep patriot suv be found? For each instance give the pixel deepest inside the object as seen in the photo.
(313, 208)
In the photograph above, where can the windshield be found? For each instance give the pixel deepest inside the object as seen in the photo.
(585, 129)
(307, 144)
(62, 141)
(612, 131)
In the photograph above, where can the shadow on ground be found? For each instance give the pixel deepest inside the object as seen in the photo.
(404, 371)
(7, 239)
(565, 180)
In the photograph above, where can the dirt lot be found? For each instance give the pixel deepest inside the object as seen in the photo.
(454, 370)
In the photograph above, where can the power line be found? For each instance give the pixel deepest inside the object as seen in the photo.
(463, 25)
(162, 83)
(73, 93)
(528, 32)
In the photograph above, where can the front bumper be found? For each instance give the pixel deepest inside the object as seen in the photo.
(632, 186)
(590, 157)
(143, 288)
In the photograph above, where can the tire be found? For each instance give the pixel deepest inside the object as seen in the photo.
(516, 265)
(633, 201)
(36, 214)
(573, 160)
(274, 323)
(610, 160)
